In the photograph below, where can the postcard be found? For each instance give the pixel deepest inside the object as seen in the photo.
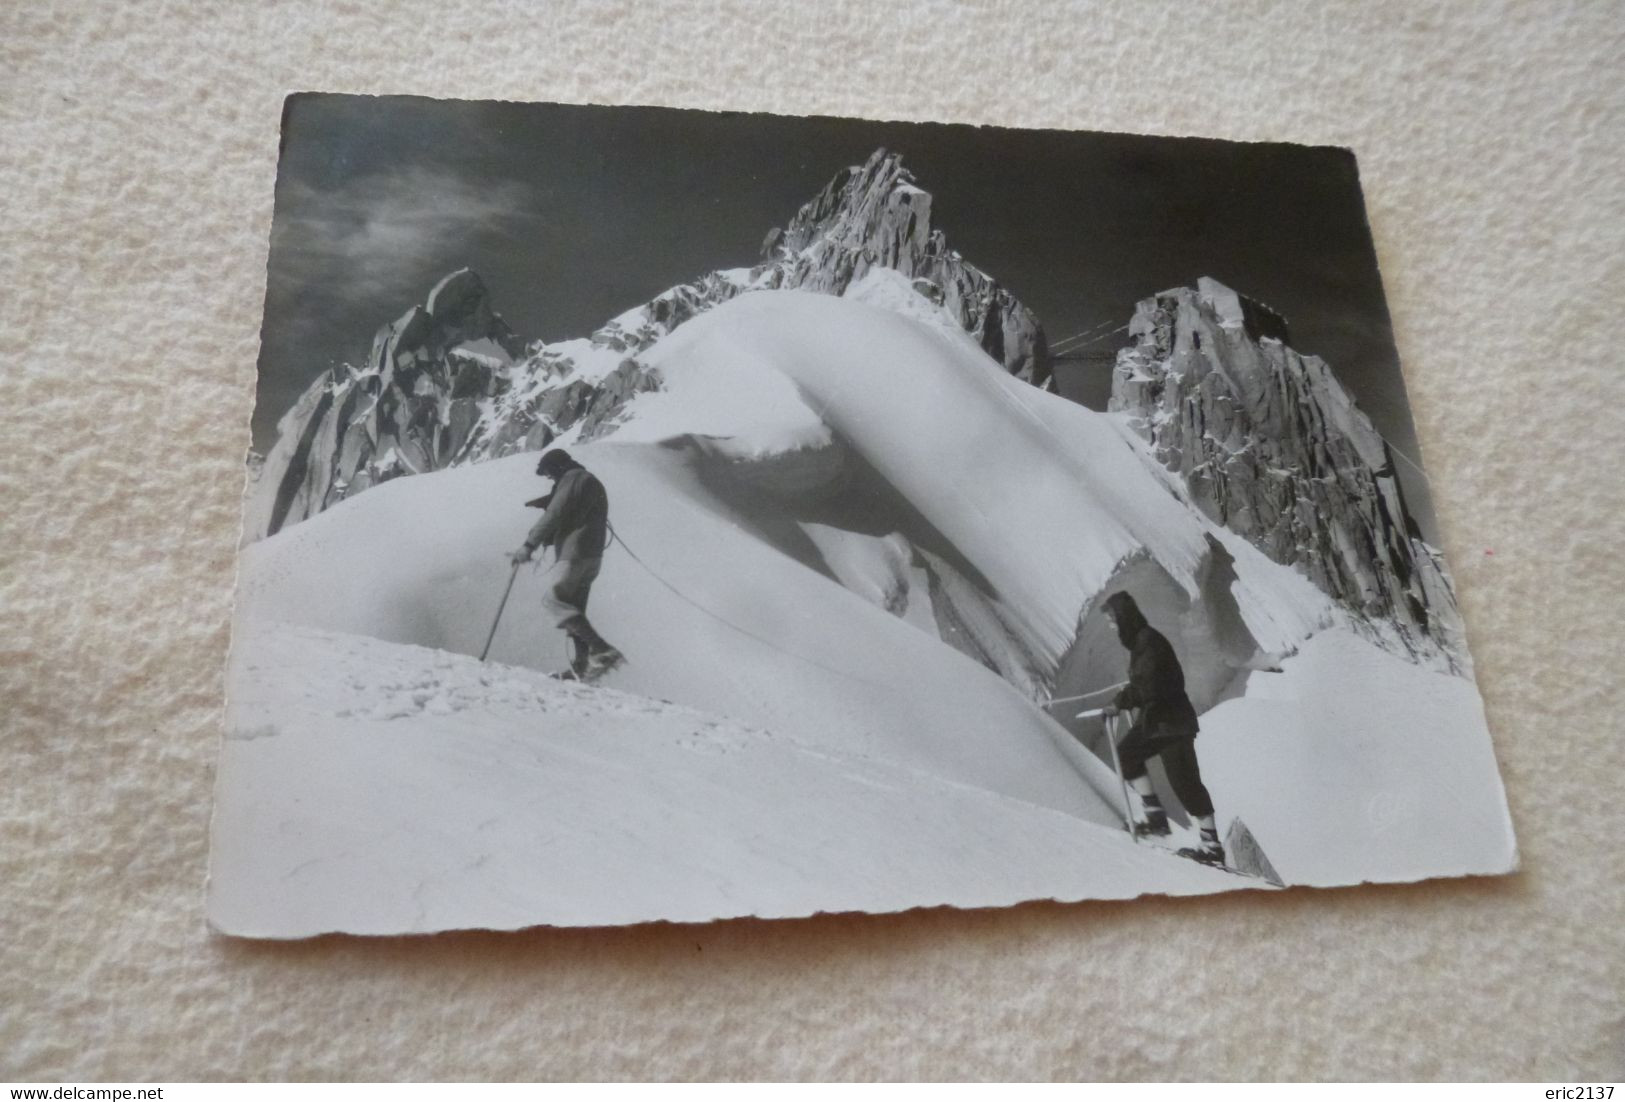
(679, 515)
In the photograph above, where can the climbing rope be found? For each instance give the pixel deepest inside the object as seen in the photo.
(747, 633)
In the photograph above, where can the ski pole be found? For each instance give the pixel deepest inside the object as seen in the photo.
(1117, 765)
(512, 574)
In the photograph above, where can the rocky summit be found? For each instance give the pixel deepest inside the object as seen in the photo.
(868, 216)
(1271, 445)
(449, 382)
(873, 216)
(409, 408)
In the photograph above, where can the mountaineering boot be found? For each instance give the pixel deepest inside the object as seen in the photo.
(601, 662)
(1210, 852)
(1206, 854)
(1155, 824)
(579, 653)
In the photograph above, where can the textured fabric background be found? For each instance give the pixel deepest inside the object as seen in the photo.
(137, 152)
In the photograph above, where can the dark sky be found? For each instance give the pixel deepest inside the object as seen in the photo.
(573, 214)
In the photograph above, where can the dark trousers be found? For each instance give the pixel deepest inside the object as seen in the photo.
(1178, 761)
(566, 601)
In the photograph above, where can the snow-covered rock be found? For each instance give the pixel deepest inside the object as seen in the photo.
(874, 216)
(870, 219)
(410, 408)
(447, 383)
(799, 536)
(1272, 446)
(810, 533)
(1354, 764)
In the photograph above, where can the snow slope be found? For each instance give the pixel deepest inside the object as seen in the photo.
(928, 411)
(804, 404)
(1352, 764)
(1045, 497)
(379, 788)
(841, 523)
(749, 632)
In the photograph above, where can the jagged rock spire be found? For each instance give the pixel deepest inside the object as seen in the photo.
(1271, 445)
(874, 216)
(409, 409)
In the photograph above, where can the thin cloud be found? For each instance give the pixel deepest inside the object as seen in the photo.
(375, 232)
(346, 260)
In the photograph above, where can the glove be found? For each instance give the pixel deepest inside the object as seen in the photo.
(1111, 710)
(520, 556)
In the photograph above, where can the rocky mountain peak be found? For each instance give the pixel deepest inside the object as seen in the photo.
(874, 207)
(873, 215)
(456, 311)
(449, 382)
(1236, 311)
(409, 409)
(1271, 445)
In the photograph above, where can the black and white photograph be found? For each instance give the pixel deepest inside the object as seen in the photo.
(658, 514)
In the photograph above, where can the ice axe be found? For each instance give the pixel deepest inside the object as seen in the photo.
(1117, 763)
(512, 574)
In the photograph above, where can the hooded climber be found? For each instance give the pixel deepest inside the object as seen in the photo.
(575, 522)
(1166, 727)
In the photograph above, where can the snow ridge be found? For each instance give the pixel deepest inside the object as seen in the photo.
(449, 383)
(809, 532)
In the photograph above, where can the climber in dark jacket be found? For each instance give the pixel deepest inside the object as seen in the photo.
(575, 522)
(1166, 726)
